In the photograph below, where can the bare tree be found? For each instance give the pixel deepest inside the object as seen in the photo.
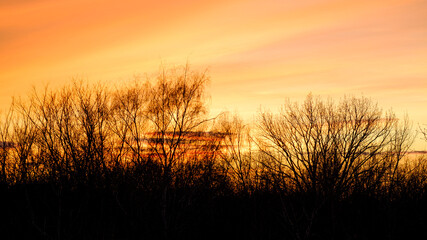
(238, 153)
(92, 112)
(328, 151)
(5, 144)
(176, 108)
(43, 116)
(129, 122)
(23, 136)
(332, 149)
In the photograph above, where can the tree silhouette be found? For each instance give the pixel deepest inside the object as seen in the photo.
(239, 153)
(332, 149)
(146, 160)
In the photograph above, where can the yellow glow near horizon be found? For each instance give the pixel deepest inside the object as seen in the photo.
(258, 52)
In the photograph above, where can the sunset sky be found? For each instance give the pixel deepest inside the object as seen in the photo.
(258, 53)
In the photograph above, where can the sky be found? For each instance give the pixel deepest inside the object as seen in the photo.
(258, 53)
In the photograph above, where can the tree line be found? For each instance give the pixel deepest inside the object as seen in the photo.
(146, 160)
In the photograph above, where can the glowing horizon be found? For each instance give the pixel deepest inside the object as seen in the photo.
(258, 52)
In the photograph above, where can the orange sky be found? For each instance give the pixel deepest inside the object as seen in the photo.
(258, 52)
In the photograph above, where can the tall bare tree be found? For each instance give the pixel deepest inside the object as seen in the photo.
(176, 108)
(129, 122)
